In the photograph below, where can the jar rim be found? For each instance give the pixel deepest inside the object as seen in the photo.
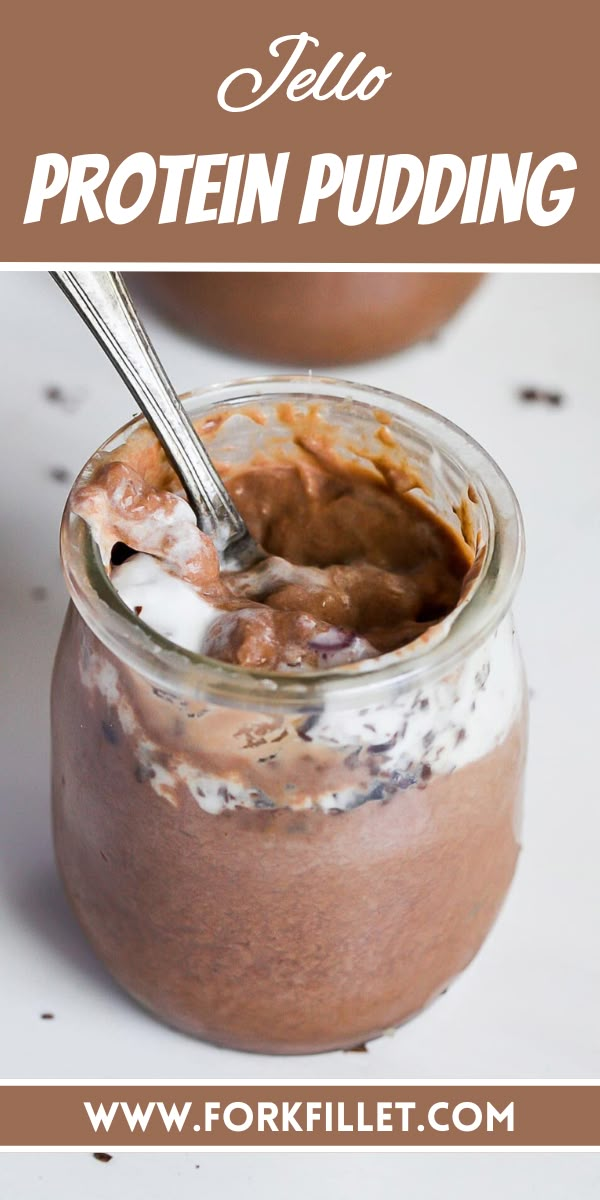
(171, 667)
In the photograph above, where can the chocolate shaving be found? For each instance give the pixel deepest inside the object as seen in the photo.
(304, 729)
(144, 772)
(54, 394)
(531, 395)
(59, 474)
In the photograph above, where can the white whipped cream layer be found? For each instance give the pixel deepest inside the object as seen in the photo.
(419, 735)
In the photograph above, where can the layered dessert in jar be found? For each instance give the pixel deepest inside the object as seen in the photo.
(287, 800)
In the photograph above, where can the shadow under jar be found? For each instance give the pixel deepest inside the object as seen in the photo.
(294, 862)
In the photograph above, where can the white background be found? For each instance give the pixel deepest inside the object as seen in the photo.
(296, 1176)
(528, 1007)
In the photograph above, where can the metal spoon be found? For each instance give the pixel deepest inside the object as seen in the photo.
(105, 304)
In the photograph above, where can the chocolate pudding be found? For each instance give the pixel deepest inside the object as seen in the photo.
(286, 801)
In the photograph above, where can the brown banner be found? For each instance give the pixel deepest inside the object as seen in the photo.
(492, 106)
(301, 1116)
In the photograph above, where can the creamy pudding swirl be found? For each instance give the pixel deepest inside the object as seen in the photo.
(358, 566)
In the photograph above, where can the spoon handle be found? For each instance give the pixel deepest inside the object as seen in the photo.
(103, 301)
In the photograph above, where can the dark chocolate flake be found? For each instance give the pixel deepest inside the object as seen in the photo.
(531, 395)
(361, 1048)
(65, 398)
(60, 474)
(304, 729)
(100, 1156)
(381, 747)
(54, 394)
(47, 1016)
(144, 772)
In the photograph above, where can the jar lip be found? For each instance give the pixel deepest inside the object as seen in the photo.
(169, 666)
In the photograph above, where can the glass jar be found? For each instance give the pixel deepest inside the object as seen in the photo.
(294, 862)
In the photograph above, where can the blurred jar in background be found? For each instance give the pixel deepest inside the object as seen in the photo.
(307, 317)
(280, 864)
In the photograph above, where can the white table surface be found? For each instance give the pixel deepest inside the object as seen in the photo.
(528, 1007)
(296, 1176)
